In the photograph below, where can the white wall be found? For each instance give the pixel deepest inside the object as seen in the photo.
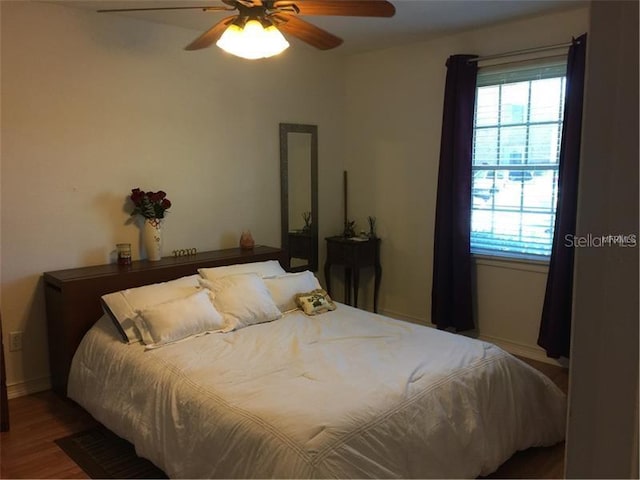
(94, 105)
(393, 120)
(602, 434)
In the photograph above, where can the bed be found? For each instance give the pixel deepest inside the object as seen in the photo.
(341, 394)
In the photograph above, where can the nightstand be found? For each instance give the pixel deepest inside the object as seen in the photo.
(354, 255)
(303, 245)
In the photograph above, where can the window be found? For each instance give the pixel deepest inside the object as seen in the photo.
(516, 146)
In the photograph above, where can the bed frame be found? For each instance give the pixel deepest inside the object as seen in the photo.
(73, 296)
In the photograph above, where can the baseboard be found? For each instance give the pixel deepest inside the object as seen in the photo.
(514, 348)
(20, 389)
(407, 318)
(521, 350)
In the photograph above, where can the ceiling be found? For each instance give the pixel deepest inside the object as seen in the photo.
(414, 20)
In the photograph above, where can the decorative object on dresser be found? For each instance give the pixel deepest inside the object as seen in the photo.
(246, 240)
(124, 253)
(372, 226)
(183, 252)
(152, 238)
(354, 254)
(307, 217)
(73, 296)
(152, 206)
(349, 229)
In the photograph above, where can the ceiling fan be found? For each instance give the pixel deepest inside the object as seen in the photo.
(273, 16)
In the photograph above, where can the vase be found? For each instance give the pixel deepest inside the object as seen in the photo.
(152, 238)
(246, 240)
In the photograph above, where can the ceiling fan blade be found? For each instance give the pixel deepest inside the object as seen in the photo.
(212, 35)
(305, 31)
(245, 3)
(350, 8)
(206, 8)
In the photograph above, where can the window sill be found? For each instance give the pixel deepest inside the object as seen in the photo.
(523, 264)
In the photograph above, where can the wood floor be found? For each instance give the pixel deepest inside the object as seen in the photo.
(28, 449)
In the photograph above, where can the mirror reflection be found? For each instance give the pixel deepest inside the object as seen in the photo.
(299, 174)
(299, 195)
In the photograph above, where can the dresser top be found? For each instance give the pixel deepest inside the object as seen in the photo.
(221, 256)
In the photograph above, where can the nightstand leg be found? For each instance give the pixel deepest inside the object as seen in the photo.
(347, 285)
(327, 276)
(378, 277)
(356, 286)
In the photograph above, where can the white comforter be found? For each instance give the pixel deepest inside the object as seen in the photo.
(345, 394)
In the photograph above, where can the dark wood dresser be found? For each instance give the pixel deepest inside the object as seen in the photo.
(73, 296)
(354, 255)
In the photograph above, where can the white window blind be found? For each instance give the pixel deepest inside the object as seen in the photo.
(516, 146)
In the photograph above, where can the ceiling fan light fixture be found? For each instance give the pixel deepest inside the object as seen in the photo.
(252, 41)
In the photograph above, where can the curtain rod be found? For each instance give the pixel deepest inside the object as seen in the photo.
(521, 52)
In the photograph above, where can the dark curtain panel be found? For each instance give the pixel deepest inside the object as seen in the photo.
(555, 326)
(451, 293)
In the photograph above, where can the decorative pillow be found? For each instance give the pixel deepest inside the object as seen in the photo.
(179, 319)
(242, 300)
(316, 302)
(123, 306)
(284, 288)
(262, 269)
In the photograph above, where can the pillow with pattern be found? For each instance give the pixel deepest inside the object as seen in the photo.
(315, 302)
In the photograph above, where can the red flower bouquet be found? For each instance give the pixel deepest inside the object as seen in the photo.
(149, 204)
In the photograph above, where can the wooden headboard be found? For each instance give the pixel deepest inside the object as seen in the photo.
(73, 296)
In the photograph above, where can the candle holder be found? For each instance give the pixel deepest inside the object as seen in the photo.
(124, 253)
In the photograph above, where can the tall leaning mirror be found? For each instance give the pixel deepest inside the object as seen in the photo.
(299, 195)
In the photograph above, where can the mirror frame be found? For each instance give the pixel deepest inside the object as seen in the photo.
(285, 129)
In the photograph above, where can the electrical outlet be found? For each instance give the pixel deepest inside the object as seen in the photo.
(15, 341)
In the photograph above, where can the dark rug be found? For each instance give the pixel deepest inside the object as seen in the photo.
(102, 454)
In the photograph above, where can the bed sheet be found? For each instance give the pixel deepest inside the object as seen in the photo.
(346, 394)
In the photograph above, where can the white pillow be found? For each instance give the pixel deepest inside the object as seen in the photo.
(179, 319)
(284, 288)
(242, 300)
(262, 269)
(123, 306)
